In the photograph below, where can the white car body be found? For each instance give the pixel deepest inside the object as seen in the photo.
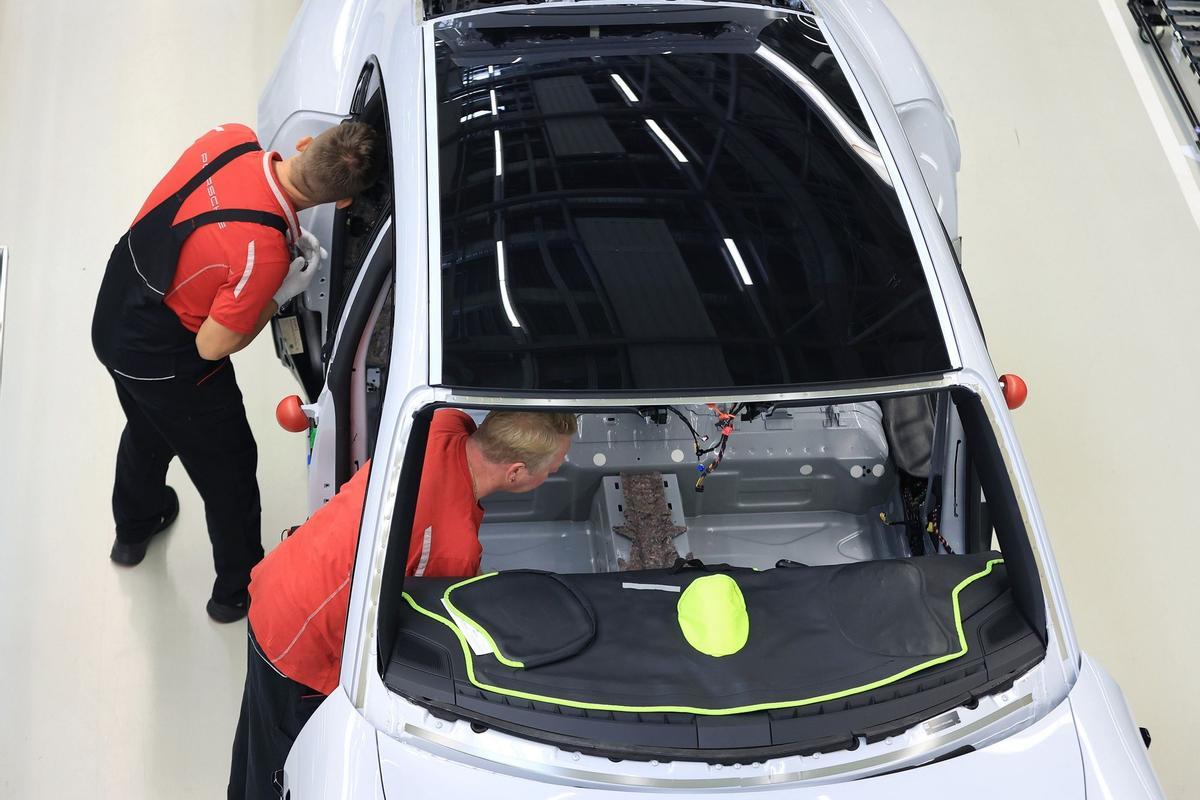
(1061, 730)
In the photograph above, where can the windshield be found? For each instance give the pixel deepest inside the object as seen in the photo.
(693, 204)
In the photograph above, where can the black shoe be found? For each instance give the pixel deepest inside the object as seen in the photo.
(129, 554)
(223, 612)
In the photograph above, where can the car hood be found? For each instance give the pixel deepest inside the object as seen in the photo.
(1041, 761)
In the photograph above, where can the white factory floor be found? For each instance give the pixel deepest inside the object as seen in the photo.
(1080, 232)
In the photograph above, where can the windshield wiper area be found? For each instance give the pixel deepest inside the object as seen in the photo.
(440, 8)
(533, 35)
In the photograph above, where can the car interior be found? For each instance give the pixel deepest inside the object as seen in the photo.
(809, 485)
(730, 581)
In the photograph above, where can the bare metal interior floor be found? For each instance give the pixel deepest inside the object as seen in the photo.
(749, 540)
(781, 493)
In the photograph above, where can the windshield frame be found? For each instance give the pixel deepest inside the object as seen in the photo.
(374, 646)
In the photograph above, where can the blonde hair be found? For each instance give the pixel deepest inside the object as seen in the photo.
(532, 437)
(340, 163)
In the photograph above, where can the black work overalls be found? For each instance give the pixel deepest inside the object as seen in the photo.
(177, 403)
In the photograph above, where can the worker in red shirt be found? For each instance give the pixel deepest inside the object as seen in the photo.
(206, 263)
(301, 591)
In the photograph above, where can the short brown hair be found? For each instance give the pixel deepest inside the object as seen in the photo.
(340, 163)
(532, 437)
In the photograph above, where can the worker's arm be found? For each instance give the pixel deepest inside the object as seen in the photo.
(214, 341)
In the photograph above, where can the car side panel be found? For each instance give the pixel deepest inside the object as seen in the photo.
(914, 94)
(322, 461)
(335, 755)
(1115, 761)
(317, 69)
(935, 144)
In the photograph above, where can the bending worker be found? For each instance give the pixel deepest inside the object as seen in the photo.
(204, 266)
(301, 591)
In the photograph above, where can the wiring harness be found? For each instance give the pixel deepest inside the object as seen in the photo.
(709, 457)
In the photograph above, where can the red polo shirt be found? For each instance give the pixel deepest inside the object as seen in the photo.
(445, 532)
(300, 593)
(229, 270)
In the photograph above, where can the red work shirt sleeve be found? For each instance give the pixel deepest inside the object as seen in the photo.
(254, 277)
(452, 565)
(448, 552)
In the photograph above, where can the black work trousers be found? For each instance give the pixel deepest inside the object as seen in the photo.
(274, 709)
(201, 420)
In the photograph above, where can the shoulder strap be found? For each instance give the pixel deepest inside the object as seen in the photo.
(184, 229)
(211, 168)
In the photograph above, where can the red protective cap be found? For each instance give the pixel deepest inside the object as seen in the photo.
(1015, 390)
(290, 415)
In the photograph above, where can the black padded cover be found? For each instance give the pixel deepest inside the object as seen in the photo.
(815, 632)
(533, 617)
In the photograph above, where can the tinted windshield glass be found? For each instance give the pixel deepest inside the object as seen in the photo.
(694, 204)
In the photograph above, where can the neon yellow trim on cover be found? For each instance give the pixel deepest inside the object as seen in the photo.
(712, 615)
(962, 643)
(508, 662)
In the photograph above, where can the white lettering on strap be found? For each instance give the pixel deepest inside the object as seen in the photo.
(212, 191)
(237, 290)
(426, 546)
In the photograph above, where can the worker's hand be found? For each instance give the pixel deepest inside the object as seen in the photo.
(311, 249)
(299, 276)
(302, 269)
